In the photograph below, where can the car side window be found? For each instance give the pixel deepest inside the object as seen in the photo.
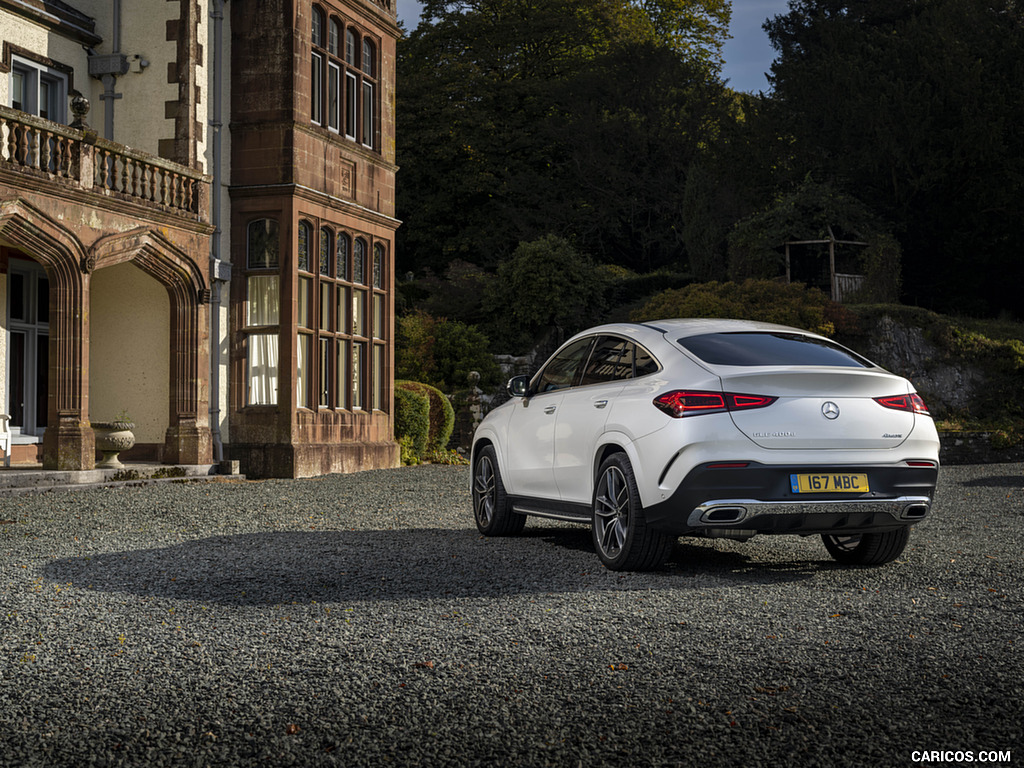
(611, 360)
(644, 363)
(562, 369)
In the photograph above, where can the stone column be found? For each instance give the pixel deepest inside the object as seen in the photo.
(69, 443)
(188, 439)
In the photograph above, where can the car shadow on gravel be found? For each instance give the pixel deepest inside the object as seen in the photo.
(692, 557)
(347, 566)
(1001, 481)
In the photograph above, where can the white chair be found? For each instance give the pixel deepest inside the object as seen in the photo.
(5, 437)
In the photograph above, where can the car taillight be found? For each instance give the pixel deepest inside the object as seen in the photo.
(910, 403)
(681, 402)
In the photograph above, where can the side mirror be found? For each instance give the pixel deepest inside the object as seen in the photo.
(518, 386)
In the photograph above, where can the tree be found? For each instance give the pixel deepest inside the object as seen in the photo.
(519, 118)
(639, 120)
(814, 212)
(917, 106)
(546, 286)
(440, 352)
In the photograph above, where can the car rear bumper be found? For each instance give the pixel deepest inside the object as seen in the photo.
(741, 501)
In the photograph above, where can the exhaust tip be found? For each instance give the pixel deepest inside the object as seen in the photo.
(724, 515)
(915, 511)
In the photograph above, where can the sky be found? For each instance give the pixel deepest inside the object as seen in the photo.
(748, 55)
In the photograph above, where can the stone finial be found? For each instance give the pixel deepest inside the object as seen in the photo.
(79, 108)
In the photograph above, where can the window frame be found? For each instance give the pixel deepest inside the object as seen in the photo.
(33, 75)
(622, 370)
(306, 317)
(633, 347)
(316, 103)
(586, 344)
(342, 328)
(334, 97)
(379, 324)
(256, 271)
(345, 80)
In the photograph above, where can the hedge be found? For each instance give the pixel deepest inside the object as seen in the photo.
(441, 415)
(412, 419)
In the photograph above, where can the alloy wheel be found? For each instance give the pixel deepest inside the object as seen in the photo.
(611, 512)
(484, 489)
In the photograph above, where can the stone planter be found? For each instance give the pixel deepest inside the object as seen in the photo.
(112, 437)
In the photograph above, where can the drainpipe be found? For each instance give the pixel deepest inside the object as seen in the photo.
(220, 270)
(107, 69)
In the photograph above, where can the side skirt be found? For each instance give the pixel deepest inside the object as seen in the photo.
(550, 508)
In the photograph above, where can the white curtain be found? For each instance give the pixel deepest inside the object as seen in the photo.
(262, 309)
(263, 369)
(302, 372)
(264, 300)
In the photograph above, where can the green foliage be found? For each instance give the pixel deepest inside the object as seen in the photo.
(547, 283)
(702, 231)
(625, 206)
(994, 348)
(815, 212)
(1002, 360)
(459, 293)
(880, 265)
(626, 290)
(440, 415)
(447, 457)
(442, 352)
(764, 300)
(695, 29)
(524, 117)
(918, 107)
(412, 422)
(407, 451)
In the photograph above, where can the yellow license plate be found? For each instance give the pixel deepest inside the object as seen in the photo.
(831, 482)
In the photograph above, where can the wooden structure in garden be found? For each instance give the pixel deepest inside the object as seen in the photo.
(840, 284)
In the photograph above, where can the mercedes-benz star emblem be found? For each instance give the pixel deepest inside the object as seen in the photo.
(830, 410)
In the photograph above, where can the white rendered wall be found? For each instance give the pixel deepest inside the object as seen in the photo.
(129, 367)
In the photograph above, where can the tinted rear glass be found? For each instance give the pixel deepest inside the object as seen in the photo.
(611, 360)
(770, 349)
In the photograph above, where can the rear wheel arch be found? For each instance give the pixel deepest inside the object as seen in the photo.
(602, 453)
(617, 443)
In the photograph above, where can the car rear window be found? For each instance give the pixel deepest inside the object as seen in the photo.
(761, 348)
(615, 359)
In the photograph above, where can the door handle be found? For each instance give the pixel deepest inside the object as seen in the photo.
(600, 403)
(549, 409)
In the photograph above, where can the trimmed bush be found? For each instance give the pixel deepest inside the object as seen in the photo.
(441, 416)
(765, 300)
(412, 421)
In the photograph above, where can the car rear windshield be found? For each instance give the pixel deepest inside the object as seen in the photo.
(770, 349)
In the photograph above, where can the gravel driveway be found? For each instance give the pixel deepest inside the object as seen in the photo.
(360, 620)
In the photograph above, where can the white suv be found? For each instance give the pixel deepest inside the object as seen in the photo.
(716, 428)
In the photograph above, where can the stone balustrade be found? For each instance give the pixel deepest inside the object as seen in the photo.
(81, 158)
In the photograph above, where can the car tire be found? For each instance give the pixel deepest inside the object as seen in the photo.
(867, 548)
(622, 538)
(491, 506)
